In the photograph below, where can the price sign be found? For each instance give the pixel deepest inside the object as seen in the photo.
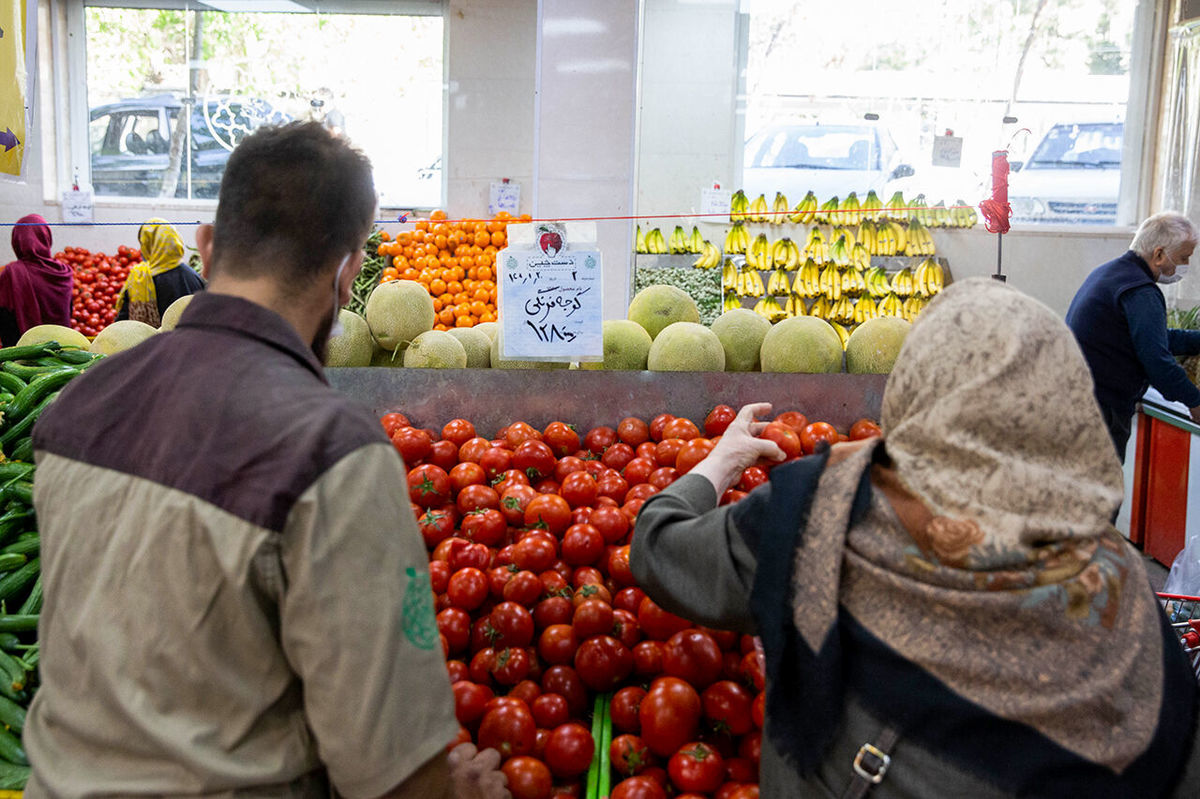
(715, 201)
(551, 301)
(77, 205)
(947, 151)
(504, 196)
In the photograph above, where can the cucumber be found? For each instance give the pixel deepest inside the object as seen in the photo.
(12, 560)
(6, 396)
(14, 522)
(10, 383)
(14, 582)
(13, 777)
(75, 357)
(13, 671)
(37, 390)
(11, 470)
(28, 372)
(10, 749)
(9, 642)
(27, 544)
(21, 429)
(12, 715)
(19, 491)
(28, 351)
(14, 623)
(23, 451)
(33, 602)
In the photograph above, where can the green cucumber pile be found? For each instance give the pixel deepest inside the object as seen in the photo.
(30, 378)
(368, 277)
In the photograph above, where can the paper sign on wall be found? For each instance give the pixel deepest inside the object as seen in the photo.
(77, 205)
(504, 196)
(715, 201)
(551, 300)
(947, 151)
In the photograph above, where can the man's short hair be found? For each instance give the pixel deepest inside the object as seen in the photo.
(294, 199)
(1168, 229)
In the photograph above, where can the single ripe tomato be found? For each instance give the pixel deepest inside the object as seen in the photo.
(513, 625)
(658, 624)
(549, 511)
(670, 715)
(561, 438)
(638, 470)
(718, 420)
(793, 419)
(509, 729)
(436, 526)
(633, 431)
(484, 526)
(624, 706)
(815, 433)
(557, 644)
(393, 421)
(864, 428)
(412, 443)
(599, 439)
(470, 702)
(582, 545)
(629, 754)
(602, 662)
(549, 710)
(784, 437)
(692, 453)
(639, 787)
(657, 424)
(569, 750)
(528, 777)
(460, 431)
(681, 428)
(694, 656)
(579, 489)
(466, 473)
(564, 681)
(592, 617)
(752, 477)
(729, 707)
(468, 588)
(477, 497)
(696, 767)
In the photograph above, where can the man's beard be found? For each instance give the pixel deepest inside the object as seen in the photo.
(320, 344)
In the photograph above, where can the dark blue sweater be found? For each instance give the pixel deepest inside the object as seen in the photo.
(1119, 318)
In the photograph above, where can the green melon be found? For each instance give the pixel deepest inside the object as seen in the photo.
(398, 311)
(497, 363)
(801, 344)
(875, 344)
(657, 306)
(741, 332)
(626, 346)
(121, 336)
(435, 349)
(355, 346)
(686, 347)
(40, 334)
(382, 357)
(488, 327)
(170, 317)
(477, 345)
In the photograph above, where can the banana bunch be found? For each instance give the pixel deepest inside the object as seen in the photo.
(854, 283)
(891, 305)
(738, 206)
(860, 257)
(842, 312)
(749, 282)
(679, 242)
(758, 254)
(838, 252)
(896, 208)
(919, 241)
(929, 278)
(770, 309)
(867, 235)
(780, 209)
(696, 242)
(963, 215)
(639, 241)
(820, 308)
(830, 283)
(778, 283)
(842, 332)
(890, 238)
(815, 247)
(729, 276)
(795, 305)
(850, 212)
(652, 242)
(759, 210)
(785, 253)
(911, 307)
(849, 233)
(877, 282)
(805, 210)
(871, 206)
(710, 256)
(902, 283)
(941, 214)
(864, 309)
(918, 211)
(730, 300)
(737, 239)
(807, 283)
(827, 212)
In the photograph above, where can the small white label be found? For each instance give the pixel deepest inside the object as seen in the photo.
(715, 202)
(504, 197)
(947, 151)
(77, 206)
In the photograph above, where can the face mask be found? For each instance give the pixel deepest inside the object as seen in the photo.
(1180, 271)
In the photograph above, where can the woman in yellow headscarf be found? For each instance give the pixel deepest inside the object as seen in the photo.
(161, 278)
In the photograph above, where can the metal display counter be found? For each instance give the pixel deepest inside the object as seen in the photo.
(492, 398)
(1164, 498)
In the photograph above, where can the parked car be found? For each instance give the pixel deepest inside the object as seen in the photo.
(130, 142)
(1073, 176)
(828, 160)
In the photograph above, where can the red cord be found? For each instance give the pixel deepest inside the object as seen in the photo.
(996, 210)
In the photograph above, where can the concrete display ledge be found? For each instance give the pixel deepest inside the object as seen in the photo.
(492, 398)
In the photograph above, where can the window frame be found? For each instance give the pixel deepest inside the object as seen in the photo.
(74, 162)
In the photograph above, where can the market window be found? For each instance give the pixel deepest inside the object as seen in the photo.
(173, 87)
(887, 96)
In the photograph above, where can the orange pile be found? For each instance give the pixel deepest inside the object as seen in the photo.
(455, 261)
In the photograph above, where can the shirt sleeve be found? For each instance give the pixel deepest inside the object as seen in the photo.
(358, 626)
(689, 557)
(1147, 321)
(1183, 342)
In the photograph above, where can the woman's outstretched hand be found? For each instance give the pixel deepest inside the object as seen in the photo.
(738, 448)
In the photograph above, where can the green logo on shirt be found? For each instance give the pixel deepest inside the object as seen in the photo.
(416, 612)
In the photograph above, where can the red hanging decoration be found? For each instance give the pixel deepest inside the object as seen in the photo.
(996, 210)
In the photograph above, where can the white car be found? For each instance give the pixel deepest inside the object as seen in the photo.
(1073, 176)
(829, 160)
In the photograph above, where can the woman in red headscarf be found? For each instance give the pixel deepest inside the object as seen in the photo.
(35, 289)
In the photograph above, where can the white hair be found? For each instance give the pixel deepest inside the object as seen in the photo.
(1168, 229)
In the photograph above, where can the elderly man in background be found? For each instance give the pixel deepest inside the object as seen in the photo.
(1119, 317)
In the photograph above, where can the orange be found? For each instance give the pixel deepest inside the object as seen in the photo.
(446, 315)
(485, 273)
(437, 286)
(404, 238)
(453, 286)
(437, 214)
(482, 239)
(422, 226)
(465, 321)
(499, 237)
(478, 308)
(487, 317)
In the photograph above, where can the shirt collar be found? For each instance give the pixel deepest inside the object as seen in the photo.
(1140, 261)
(245, 318)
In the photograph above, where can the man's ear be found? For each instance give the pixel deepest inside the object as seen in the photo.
(204, 244)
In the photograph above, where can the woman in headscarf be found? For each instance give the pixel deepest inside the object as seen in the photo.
(35, 289)
(948, 608)
(161, 278)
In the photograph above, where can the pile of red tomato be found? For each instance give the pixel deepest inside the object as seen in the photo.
(538, 611)
(99, 278)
